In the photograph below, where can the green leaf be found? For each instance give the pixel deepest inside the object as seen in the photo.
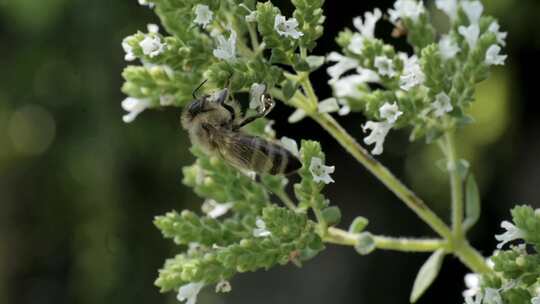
(332, 215)
(289, 89)
(472, 200)
(427, 274)
(359, 224)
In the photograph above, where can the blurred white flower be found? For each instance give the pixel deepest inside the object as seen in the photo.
(223, 286)
(343, 64)
(255, 93)
(390, 112)
(471, 34)
(128, 49)
(226, 48)
(473, 10)
(379, 130)
(203, 15)
(494, 57)
(441, 105)
(385, 66)
(512, 233)
(367, 26)
(287, 28)
(214, 209)
(320, 172)
(535, 300)
(472, 281)
(151, 45)
(450, 7)
(448, 47)
(356, 45)
(328, 105)
(146, 3)
(494, 27)
(134, 107)
(348, 86)
(296, 116)
(412, 74)
(261, 230)
(476, 299)
(406, 9)
(189, 292)
(345, 107)
(291, 145)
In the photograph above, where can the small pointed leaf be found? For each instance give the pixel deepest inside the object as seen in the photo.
(427, 274)
(472, 201)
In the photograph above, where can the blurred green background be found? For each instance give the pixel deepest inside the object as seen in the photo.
(79, 188)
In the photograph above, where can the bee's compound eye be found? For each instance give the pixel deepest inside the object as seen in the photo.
(196, 107)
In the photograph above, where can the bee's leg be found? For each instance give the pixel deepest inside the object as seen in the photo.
(268, 103)
(248, 120)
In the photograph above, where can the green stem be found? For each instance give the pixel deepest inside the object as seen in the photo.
(286, 199)
(382, 173)
(456, 185)
(342, 237)
(471, 257)
(253, 37)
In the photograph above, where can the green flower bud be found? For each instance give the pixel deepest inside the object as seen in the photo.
(358, 225)
(331, 215)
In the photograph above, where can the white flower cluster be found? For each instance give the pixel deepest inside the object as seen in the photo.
(390, 113)
(473, 10)
(151, 45)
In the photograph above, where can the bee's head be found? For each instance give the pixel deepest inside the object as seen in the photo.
(207, 108)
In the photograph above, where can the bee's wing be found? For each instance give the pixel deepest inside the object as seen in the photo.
(256, 154)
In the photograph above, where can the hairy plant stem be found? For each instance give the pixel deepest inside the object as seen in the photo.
(456, 185)
(342, 237)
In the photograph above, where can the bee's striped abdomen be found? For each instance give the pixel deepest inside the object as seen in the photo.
(273, 159)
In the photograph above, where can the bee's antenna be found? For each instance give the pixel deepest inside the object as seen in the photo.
(198, 88)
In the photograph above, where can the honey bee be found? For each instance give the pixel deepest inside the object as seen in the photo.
(215, 126)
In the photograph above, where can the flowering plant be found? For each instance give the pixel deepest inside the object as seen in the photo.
(251, 47)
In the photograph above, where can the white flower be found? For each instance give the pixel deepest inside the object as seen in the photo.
(379, 130)
(448, 47)
(152, 28)
(406, 9)
(348, 85)
(343, 64)
(471, 34)
(223, 286)
(450, 7)
(146, 3)
(412, 74)
(328, 105)
(128, 49)
(494, 57)
(492, 296)
(261, 230)
(512, 233)
(385, 66)
(356, 45)
(214, 209)
(296, 116)
(287, 28)
(476, 299)
(203, 15)
(473, 10)
(255, 93)
(472, 281)
(535, 300)
(367, 27)
(291, 145)
(320, 172)
(269, 130)
(494, 27)
(441, 105)
(226, 48)
(135, 107)
(345, 107)
(390, 112)
(151, 45)
(189, 292)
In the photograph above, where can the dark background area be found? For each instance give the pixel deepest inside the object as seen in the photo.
(79, 188)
